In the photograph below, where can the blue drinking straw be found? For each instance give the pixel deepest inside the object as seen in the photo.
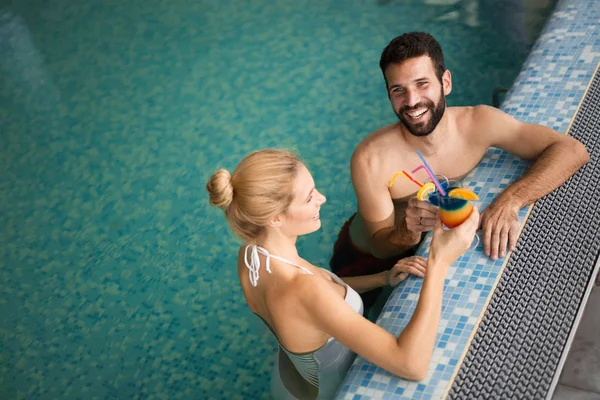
(431, 174)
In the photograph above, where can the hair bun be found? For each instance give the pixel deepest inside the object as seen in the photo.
(220, 189)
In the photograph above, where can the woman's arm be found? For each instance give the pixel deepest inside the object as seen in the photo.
(409, 354)
(399, 272)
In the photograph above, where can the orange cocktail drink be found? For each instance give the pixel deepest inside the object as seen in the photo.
(455, 207)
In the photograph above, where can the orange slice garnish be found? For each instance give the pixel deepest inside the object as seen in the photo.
(462, 193)
(425, 191)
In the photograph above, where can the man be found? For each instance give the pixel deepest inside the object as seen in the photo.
(390, 221)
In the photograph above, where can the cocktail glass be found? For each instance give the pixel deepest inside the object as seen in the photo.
(453, 211)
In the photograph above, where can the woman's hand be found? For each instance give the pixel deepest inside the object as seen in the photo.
(448, 245)
(411, 265)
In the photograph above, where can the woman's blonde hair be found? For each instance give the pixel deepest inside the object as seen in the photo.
(260, 188)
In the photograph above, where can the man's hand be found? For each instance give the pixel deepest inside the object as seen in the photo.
(500, 226)
(420, 215)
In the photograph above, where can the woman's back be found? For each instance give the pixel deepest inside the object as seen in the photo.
(310, 363)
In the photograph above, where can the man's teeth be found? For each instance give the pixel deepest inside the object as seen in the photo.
(417, 114)
(316, 216)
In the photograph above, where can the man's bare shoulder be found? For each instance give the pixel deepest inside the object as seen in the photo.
(378, 145)
(472, 121)
(480, 114)
(463, 115)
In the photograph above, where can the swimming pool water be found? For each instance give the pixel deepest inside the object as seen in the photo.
(118, 278)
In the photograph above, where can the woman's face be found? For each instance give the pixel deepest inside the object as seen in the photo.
(302, 216)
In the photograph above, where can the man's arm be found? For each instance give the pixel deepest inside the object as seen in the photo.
(377, 209)
(555, 159)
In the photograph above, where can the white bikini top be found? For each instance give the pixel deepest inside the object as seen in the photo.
(253, 262)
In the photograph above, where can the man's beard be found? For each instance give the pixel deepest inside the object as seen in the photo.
(424, 128)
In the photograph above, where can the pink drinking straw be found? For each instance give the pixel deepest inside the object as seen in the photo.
(429, 172)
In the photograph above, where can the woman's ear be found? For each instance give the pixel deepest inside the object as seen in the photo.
(276, 222)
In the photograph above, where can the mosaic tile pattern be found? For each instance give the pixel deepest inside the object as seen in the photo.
(547, 91)
(117, 279)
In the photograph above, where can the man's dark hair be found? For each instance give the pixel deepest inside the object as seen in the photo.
(411, 45)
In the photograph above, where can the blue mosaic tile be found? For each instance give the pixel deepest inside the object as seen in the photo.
(547, 91)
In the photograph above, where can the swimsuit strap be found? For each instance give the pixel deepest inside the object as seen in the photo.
(253, 262)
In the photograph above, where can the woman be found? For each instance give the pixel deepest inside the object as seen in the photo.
(316, 317)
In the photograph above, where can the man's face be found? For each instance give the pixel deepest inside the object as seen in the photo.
(417, 95)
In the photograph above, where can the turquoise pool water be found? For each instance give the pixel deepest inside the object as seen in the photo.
(117, 278)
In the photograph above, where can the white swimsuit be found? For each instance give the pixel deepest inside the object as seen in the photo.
(313, 375)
